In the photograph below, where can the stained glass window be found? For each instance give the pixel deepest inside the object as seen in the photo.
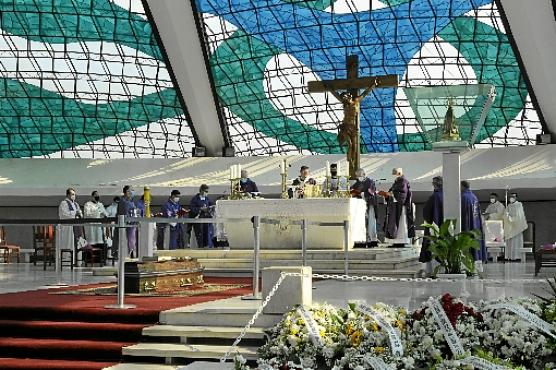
(263, 53)
(85, 78)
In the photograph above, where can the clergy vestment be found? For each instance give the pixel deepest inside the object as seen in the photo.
(515, 224)
(94, 234)
(67, 210)
(433, 213)
(203, 232)
(248, 186)
(495, 211)
(471, 220)
(366, 189)
(399, 218)
(300, 182)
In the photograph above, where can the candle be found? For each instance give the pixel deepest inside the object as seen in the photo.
(339, 168)
(239, 171)
(283, 167)
(327, 169)
(231, 172)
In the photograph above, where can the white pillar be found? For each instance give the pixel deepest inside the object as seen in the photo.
(451, 175)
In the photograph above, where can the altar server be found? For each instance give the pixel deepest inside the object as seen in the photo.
(365, 188)
(171, 209)
(336, 182)
(515, 224)
(433, 213)
(495, 210)
(246, 185)
(399, 221)
(94, 209)
(300, 182)
(67, 210)
(202, 207)
(471, 218)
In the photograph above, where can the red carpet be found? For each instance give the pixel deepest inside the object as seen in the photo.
(39, 330)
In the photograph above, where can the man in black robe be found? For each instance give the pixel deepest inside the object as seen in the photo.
(433, 212)
(471, 218)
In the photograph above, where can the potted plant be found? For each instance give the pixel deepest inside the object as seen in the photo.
(453, 252)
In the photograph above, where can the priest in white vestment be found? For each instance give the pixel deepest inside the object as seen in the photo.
(515, 224)
(495, 210)
(94, 209)
(68, 209)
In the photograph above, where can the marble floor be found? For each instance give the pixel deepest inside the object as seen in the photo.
(502, 280)
(18, 277)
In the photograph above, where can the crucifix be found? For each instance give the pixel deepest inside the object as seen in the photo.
(347, 92)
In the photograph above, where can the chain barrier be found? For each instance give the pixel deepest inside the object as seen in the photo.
(283, 275)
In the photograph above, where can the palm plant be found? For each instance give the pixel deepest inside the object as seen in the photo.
(454, 252)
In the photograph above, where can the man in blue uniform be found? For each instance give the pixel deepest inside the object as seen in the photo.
(246, 185)
(202, 207)
(471, 218)
(171, 209)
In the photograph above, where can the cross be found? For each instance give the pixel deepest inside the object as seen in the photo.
(350, 129)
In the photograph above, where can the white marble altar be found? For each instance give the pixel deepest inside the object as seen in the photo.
(276, 214)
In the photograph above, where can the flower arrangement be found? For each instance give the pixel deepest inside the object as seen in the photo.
(350, 338)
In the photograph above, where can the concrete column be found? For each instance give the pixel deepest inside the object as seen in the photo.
(451, 168)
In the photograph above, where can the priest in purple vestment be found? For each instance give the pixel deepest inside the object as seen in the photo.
(471, 218)
(399, 201)
(433, 212)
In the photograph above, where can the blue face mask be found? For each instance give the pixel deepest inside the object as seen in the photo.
(243, 180)
(132, 193)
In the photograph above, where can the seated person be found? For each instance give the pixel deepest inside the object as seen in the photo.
(246, 185)
(300, 181)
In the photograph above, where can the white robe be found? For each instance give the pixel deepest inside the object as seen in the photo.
(66, 231)
(495, 211)
(515, 224)
(94, 234)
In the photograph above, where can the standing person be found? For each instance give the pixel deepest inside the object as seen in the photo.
(433, 213)
(495, 210)
(201, 207)
(365, 188)
(94, 209)
(300, 181)
(471, 218)
(515, 224)
(67, 210)
(127, 207)
(171, 209)
(399, 219)
(112, 209)
(246, 185)
(336, 183)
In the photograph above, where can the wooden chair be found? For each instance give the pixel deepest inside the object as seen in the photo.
(43, 241)
(9, 251)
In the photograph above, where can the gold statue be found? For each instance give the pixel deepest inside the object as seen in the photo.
(451, 131)
(349, 130)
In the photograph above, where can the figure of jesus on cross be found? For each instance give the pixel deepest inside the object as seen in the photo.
(347, 92)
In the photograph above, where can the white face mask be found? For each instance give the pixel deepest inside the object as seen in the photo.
(492, 200)
(176, 199)
(512, 200)
(72, 197)
(361, 178)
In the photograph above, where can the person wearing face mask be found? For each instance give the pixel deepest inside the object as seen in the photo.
(471, 220)
(127, 207)
(94, 209)
(171, 209)
(201, 207)
(433, 213)
(112, 209)
(246, 185)
(336, 183)
(365, 188)
(399, 218)
(515, 224)
(67, 210)
(495, 210)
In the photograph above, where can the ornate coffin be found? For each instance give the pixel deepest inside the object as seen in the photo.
(144, 277)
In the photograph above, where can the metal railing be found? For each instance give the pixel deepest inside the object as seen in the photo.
(124, 222)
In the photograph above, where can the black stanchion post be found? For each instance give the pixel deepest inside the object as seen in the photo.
(256, 258)
(346, 247)
(304, 242)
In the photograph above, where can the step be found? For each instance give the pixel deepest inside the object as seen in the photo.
(71, 330)
(41, 363)
(185, 351)
(186, 331)
(217, 318)
(138, 366)
(62, 349)
(407, 272)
